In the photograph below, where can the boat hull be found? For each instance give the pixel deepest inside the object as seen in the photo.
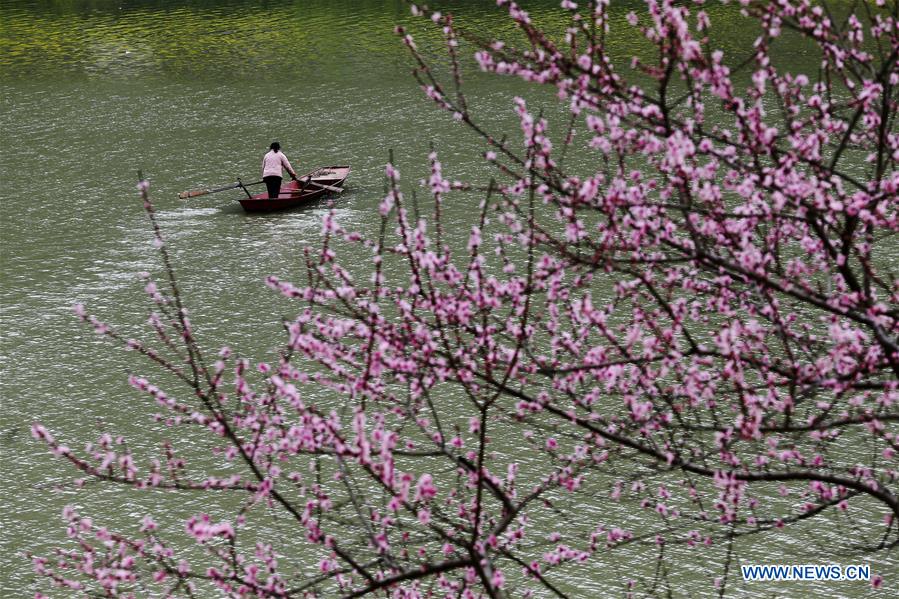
(298, 193)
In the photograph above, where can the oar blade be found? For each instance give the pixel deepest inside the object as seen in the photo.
(192, 194)
(201, 192)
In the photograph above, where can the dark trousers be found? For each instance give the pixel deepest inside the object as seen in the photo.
(274, 185)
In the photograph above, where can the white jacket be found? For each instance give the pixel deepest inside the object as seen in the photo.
(272, 163)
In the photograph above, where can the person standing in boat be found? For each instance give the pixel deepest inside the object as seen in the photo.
(272, 163)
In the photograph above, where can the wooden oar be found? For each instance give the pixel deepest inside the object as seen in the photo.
(201, 192)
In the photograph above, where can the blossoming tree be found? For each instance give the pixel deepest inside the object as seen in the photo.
(700, 336)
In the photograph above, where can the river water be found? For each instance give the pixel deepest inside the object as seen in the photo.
(191, 93)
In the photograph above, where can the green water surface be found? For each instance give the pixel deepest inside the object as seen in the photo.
(191, 92)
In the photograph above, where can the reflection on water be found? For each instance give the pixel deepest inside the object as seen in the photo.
(237, 39)
(210, 40)
(216, 41)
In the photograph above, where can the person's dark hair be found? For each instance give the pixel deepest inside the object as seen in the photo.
(275, 146)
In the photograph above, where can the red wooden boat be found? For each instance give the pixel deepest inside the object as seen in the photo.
(306, 189)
